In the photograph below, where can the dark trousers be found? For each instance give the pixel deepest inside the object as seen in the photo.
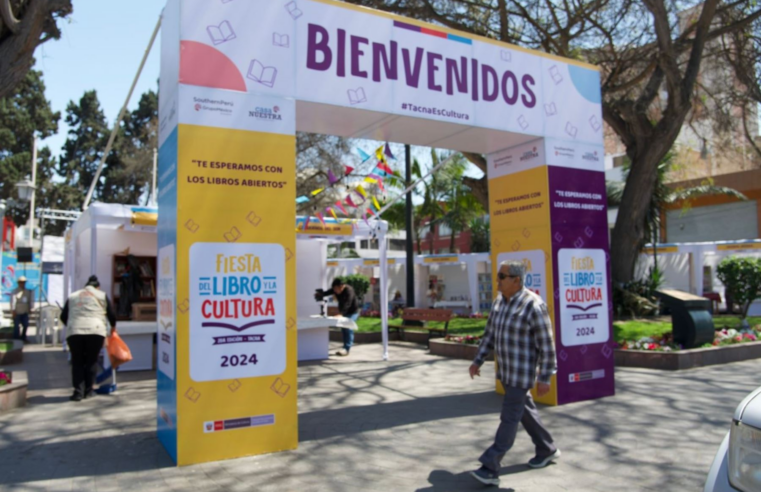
(84, 361)
(518, 406)
(19, 321)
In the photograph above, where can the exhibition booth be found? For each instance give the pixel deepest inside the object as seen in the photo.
(100, 241)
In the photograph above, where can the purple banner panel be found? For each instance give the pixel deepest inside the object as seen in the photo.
(583, 295)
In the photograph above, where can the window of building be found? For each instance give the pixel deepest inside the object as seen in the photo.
(424, 231)
(621, 160)
(444, 230)
(397, 244)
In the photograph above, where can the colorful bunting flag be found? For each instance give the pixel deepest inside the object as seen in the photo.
(361, 191)
(384, 167)
(302, 199)
(370, 179)
(375, 202)
(379, 154)
(306, 222)
(364, 216)
(318, 191)
(321, 219)
(388, 152)
(338, 204)
(364, 155)
(332, 177)
(380, 185)
(349, 169)
(349, 202)
(332, 212)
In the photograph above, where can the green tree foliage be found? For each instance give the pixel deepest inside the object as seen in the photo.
(359, 283)
(742, 280)
(480, 235)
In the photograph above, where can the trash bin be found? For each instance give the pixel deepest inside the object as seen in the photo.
(692, 323)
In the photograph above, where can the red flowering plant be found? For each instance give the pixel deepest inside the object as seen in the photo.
(5, 378)
(730, 336)
(467, 340)
(665, 342)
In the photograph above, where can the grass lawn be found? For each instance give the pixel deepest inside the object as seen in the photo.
(636, 329)
(468, 326)
(622, 330)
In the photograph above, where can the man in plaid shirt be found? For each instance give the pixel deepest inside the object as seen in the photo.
(519, 331)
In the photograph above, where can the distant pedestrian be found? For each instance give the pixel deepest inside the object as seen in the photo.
(519, 331)
(87, 315)
(22, 304)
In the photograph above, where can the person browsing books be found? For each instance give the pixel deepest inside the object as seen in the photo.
(348, 306)
(22, 304)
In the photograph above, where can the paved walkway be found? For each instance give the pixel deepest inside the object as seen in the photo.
(416, 423)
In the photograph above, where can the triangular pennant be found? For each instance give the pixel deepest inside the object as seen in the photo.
(373, 177)
(306, 223)
(321, 219)
(317, 192)
(349, 202)
(375, 202)
(349, 169)
(338, 204)
(364, 155)
(384, 167)
(379, 154)
(370, 179)
(364, 216)
(361, 191)
(380, 185)
(332, 212)
(302, 199)
(388, 152)
(332, 177)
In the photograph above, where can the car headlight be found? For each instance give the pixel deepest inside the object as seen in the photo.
(745, 457)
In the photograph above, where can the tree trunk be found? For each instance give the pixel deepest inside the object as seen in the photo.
(36, 26)
(451, 241)
(479, 188)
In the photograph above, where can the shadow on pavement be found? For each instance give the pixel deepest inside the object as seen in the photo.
(443, 480)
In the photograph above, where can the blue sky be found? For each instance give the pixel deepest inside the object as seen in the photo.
(101, 47)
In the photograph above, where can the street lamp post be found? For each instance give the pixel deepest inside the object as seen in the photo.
(26, 191)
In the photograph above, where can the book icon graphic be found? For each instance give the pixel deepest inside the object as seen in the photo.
(192, 395)
(191, 226)
(293, 9)
(571, 130)
(523, 122)
(357, 96)
(595, 123)
(280, 387)
(282, 40)
(184, 306)
(262, 74)
(288, 254)
(232, 235)
(221, 33)
(579, 243)
(550, 109)
(505, 55)
(253, 219)
(555, 74)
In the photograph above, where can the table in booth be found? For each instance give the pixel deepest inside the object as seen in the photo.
(138, 335)
(314, 335)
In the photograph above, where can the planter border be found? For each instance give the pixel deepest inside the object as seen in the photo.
(14, 395)
(13, 356)
(455, 350)
(688, 359)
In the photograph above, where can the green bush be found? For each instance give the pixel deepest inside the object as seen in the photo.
(742, 280)
(359, 283)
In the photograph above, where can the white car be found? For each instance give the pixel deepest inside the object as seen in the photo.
(737, 465)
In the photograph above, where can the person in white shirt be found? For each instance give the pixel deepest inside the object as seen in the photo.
(22, 304)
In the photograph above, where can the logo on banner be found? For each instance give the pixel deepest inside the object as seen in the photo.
(529, 154)
(214, 105)
(263, 113)
(237, 323)
(584, 312)
(591, 156)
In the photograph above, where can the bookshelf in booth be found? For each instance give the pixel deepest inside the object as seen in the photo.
(485, 294)
(147, 266)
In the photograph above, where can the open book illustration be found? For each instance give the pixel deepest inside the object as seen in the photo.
(232, 235)
(357, 96)
(221, 33)
(550, 109)
(522, 122)
(253, 219)
(505, 55)
(571, 130)
(282, 40)
(555, 74)
(280, 387)
(191, 226)
(595, 123)
(293, 9)
(259, 73)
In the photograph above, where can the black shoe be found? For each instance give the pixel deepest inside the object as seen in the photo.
(90, 394)
(76, 397)
(485, 476)
(541, 462)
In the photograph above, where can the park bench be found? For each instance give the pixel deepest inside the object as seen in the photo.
(424, 316)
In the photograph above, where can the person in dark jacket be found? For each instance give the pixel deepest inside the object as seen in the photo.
(348, 306)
